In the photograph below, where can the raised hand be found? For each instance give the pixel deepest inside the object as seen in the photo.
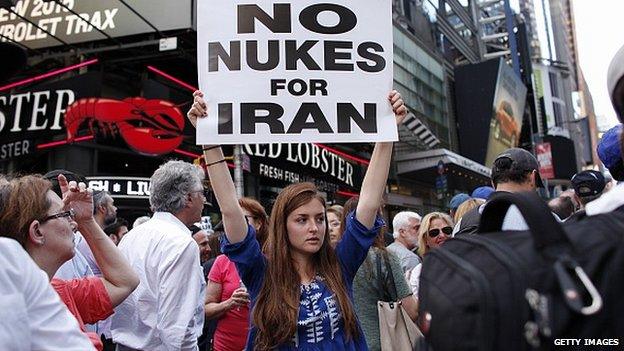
(77, 197)
(398, 106)
(199, 108)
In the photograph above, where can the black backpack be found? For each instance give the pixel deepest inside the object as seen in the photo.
(521, 290)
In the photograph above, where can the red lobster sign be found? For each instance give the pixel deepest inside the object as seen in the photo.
(151, 127)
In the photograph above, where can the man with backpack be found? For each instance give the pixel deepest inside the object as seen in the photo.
(515, 170)
(523, 290)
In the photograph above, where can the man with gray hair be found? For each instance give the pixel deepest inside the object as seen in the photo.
(406, 225)
(166, 311)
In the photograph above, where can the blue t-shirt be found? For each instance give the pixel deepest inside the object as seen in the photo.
(320, 325)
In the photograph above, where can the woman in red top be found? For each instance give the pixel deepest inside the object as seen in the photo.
(44, 224)
(226, 296)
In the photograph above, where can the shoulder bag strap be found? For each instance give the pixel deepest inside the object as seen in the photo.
(550, 241)
(381, 279)
(390, 278)
(545, 230)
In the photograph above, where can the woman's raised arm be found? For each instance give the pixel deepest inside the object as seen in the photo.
(233, 218)
(374, 183)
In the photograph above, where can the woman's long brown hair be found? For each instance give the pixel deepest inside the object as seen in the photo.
(276, 310)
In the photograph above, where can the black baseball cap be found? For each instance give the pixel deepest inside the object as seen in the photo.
(52, 176)
(521, 160)
(588, 183)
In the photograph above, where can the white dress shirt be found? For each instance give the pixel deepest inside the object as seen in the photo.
(32, 316)
(166, 311)
(413, 279)
(607, 202)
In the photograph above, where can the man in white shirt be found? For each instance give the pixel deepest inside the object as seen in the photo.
(32, 316)
(405, 225)
(515, 170)
(166, 311)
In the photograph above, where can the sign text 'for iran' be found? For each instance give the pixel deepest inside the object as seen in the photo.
(295, 71)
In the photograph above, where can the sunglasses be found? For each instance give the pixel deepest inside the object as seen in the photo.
(65, 214)
(435, 232)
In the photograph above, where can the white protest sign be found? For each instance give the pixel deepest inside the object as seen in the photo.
(295, 71)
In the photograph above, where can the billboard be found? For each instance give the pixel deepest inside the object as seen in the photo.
(541, 77)
(545, 160)
(563, 152)
(37, 114)
(490, 102)
(36, 23)
(507, 112)
(38, 111)
(121, 187)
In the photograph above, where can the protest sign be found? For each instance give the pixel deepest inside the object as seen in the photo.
(295, 71)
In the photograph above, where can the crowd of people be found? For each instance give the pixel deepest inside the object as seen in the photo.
(305, 276)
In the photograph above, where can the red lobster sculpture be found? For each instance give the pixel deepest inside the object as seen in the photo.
(151, 127)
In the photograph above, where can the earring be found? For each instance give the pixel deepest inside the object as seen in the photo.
(42, 241)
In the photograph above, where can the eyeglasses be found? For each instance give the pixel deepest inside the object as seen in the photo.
(65, 214)
(435, 232)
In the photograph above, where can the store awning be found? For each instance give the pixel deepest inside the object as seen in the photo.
(463, 174)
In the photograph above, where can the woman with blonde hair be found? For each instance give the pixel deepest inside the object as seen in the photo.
(300, 288)
(465, 207)
(435, 229)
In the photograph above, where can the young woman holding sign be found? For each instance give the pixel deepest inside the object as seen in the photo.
(300, 288)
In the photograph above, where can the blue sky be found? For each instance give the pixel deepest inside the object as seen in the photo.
(599, 29)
